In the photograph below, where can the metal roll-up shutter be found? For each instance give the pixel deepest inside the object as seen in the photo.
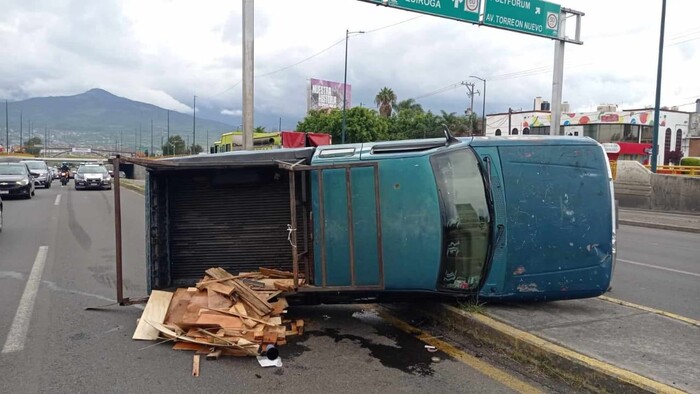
(235, 219)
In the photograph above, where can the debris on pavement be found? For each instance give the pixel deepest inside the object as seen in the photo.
(224, 315)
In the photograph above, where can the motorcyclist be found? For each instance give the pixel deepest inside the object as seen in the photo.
(65, 168)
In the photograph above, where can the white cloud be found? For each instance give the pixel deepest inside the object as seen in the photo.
(231, 112)
(166, 51)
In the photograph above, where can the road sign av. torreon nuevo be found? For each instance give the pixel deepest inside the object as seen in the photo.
(536, 17)
(461, 10)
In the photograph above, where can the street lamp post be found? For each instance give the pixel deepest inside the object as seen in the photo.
(345, 80)
(483, 105)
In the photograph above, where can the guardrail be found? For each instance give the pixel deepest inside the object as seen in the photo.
(677, 170)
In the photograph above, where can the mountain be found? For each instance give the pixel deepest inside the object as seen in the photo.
(99, 117)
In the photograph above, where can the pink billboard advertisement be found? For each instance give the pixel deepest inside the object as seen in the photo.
(327, 94)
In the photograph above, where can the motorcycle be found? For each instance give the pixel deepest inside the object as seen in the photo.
(64, 178)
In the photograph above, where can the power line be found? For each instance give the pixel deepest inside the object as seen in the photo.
(315, 54)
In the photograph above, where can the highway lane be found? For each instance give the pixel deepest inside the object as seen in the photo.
(659, 269)
(69, 349)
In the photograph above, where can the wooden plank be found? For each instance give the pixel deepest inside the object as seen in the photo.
(216, 300)
(171, 334)
(155, 310)
(300, 326)
(189, 346)
(232, 313)
(270, 337)
(220, 288)
(195, 365)
(252, 298)
(202, 284)
(178, 306)
(273, 273)
(219, 319)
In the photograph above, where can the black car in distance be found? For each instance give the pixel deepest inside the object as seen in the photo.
(16, 180)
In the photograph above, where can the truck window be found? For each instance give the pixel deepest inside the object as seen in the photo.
(465, 219)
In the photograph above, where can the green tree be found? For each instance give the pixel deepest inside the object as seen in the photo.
(362, 124)
(174, 146)
(259, 129)
(30, 146)
(386, 101)
(408, 104)
(197, 149)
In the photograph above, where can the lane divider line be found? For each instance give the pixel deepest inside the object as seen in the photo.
(670, 315)
(58, 200)
(20, 324)
(479, 365)
(659, 267)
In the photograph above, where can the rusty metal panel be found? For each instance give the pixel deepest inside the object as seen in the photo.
(235, 219)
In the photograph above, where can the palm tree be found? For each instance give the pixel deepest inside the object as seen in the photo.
(409, 104)
(386, 101)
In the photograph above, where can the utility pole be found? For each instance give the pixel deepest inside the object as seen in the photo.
(121, 140)
(46, 140)
(207, 151)
(558, 78)
(194, 120)
(168, 135)
(30, 128)
(7, 129)
(510, 115)
(248, 74)
(280, 127)
(135, 141)
(470, 94)
(139, 136)
(20, 129)
(657, 104)
(150, 152)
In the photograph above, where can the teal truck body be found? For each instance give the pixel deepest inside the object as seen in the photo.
(528, 218)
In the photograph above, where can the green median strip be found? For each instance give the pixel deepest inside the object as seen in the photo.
(132, 186)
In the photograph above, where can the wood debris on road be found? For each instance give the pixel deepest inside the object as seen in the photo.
(223, 315)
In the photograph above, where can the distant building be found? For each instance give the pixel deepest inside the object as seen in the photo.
(631, 129)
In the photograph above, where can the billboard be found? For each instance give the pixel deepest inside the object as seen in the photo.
(327, 94)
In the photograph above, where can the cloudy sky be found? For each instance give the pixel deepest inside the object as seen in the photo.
(166, 51)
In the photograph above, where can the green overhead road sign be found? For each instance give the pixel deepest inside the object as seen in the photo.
(536, 17)
(461, 10)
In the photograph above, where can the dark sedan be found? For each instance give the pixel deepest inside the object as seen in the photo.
(16, 180)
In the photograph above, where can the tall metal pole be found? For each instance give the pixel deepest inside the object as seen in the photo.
(20, 130)
(483, 111)
(248, 72)
(657, 104)
(7, 129)
(207, 151)
(194, 119)
(345, 86)
(150, 152)
(168, 135)
(558, 78)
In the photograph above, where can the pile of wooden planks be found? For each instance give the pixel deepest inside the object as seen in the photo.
(224, 314)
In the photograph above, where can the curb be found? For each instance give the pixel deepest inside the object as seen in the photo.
(547, 356)
(132, 186)
(659, 226)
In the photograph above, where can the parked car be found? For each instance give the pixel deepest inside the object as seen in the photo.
(44, 176)
(91, 176)
(0, 214)
(16, 180)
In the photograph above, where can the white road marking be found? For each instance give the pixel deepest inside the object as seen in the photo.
(20, 325)
(58, 200)
(659, 268)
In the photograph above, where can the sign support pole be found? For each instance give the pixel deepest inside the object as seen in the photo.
(558, 78)
(247, 75)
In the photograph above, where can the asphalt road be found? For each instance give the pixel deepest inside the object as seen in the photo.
(50, 343)
(659, 269)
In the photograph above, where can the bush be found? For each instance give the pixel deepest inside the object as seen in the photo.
(690, 161)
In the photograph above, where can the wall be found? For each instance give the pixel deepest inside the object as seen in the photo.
(637, 187)
(139, 172)
(633, 185)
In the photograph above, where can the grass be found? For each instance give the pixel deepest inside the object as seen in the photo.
(473, 306)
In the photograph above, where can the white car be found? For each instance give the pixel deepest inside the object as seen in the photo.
(91, 176)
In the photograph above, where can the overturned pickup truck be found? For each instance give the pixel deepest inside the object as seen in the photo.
(511, 218)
